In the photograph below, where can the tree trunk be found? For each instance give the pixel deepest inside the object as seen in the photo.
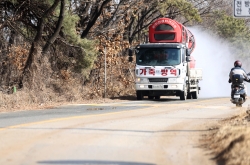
(30, 64)
(58, 28)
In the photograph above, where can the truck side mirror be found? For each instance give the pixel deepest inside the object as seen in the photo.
(188, 58)
(130, 54)
(188, 52)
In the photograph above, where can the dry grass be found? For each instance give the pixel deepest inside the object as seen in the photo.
(55, 79)
(56, 95)
(230, 143)
(45, 88)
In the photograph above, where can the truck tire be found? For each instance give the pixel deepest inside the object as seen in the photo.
(139, 95)
(157, 97)
(195, 94)
(238, 105)
(189, 96)
(183, 95)
(150, 97)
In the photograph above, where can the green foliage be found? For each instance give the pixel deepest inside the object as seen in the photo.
(235, 30)
(13, 1)
(88, 54)
(230, 28)
(86, 49)
(183, 8)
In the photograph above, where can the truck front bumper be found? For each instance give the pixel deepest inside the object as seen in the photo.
(159, 89)
(153, 87)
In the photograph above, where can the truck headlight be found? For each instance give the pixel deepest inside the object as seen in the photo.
(175, 80)
(172, 80)
(138, 80)
(142, 86)
(180, 80)
(141, 80)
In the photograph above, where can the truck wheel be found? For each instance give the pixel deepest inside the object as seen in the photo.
(195, 95)
(238, 105)
(183, 95)
(157, 97)
(150, 97)
(139, 95)
(189, 96)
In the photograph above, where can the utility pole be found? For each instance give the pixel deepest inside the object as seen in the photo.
(105, 72)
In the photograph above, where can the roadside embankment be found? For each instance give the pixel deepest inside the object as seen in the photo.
(229, 141)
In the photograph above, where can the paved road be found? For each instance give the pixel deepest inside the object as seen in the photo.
(126, 133)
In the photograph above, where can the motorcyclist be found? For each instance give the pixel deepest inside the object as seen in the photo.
(238, 70)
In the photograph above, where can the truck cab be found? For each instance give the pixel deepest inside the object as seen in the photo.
(162, 70)
(164, 66)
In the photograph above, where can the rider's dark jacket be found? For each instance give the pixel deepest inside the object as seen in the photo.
(237, 70)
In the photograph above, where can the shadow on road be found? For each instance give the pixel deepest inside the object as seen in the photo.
(119, 130)
(128, 97)
(133, 98)
(91, 162)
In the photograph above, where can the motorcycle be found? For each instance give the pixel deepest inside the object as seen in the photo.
(238, 94)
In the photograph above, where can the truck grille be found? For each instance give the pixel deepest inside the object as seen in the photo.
(158, 79)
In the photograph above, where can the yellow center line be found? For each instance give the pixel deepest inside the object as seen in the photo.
(87, 116)
(65, 118)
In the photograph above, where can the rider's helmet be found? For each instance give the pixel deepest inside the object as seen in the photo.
(237, 63)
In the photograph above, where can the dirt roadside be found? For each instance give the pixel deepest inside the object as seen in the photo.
(229, 140)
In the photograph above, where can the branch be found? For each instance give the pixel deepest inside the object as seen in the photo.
(58, 28)
(95, 16)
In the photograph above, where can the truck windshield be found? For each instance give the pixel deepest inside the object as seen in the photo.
(158, 56)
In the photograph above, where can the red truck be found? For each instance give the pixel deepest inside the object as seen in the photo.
(164, 66)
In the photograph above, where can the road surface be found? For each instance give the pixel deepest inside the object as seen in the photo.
(165, 132)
